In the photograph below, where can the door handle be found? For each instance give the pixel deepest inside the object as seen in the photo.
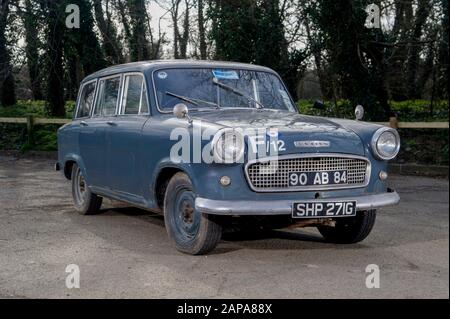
(83, 123)
(111, 123)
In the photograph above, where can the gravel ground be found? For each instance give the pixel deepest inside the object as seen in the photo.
(124, 252)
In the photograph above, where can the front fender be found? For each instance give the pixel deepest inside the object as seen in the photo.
(166, 162)
(364, 130)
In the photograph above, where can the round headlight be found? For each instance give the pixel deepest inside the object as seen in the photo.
(228, 146)
(386, 143)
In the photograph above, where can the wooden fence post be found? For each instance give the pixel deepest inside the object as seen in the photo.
(30, 124)
(393, 122)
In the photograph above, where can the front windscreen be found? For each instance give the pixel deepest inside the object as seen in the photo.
(236, 88)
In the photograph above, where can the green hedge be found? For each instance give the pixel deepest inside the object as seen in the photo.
(424, 146)
(14, 136)
(418, 110)
(407, 111)
(31, 107)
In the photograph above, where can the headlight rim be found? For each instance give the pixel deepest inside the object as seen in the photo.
(375, 139)
(217, 157)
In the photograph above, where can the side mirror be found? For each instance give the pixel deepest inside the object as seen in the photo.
(181, 111)
(319, 105)
(359, 112)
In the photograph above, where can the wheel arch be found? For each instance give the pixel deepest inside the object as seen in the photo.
(68, 164)
(162, 177)
(68, 169)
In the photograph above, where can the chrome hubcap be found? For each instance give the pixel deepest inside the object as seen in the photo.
(80, 187)
(187, 219)
(188, 212)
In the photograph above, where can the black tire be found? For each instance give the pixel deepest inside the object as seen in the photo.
(350, 230)
(85, 202)
(189, 230)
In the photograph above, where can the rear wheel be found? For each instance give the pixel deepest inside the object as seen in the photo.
(189, 230)
(85, 202)
(349, 230)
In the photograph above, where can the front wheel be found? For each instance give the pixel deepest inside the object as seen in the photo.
(189, 230)
(85, 202)
(349, 230)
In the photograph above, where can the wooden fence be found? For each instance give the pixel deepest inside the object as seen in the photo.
(30, 121)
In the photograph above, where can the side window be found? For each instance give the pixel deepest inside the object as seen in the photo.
(134, 100)
(86, 100)
(108, 94)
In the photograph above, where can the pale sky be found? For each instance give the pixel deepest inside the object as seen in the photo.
(156, 13)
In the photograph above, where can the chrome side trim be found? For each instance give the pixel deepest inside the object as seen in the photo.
(284, 207)
(308, 188)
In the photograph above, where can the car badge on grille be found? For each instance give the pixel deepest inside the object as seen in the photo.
(312, 143)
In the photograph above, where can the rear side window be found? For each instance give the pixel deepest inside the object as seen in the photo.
(108, 94)
(86, 100)
(134, 99)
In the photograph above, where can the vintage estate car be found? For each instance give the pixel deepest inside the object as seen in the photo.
(211, 143)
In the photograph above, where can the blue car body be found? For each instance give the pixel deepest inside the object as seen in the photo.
(127, 157)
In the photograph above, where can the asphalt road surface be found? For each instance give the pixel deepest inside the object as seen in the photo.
(124, 252)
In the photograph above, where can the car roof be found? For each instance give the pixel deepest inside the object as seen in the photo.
(157, 64)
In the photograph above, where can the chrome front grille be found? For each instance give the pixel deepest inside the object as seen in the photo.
(273, 175)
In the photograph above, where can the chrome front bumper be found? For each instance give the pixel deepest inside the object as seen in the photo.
(284, 207)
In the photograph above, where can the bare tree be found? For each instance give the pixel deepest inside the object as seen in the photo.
(32, 44)
(138, 33)
(201, 30)
(111, 44)
(180, 35)
(184, 37)
(7, 87)
(54, 57)
(422, 13)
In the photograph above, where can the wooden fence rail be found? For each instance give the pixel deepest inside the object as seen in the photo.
(394, 123)
(30, 121)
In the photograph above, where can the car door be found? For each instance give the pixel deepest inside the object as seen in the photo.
(94, 140)
(125, 139)
(89, 138)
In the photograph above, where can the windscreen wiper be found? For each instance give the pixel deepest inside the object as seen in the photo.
(192, 100)
(237, 92)
(183, 98)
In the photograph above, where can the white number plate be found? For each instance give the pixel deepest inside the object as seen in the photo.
(317, 178)
(323, 209)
